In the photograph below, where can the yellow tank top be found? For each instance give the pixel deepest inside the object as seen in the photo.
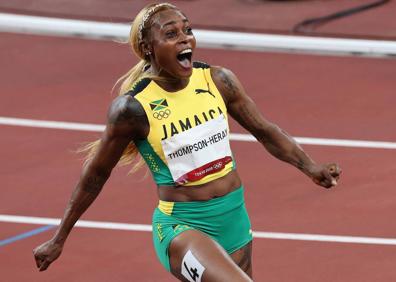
(188, 141)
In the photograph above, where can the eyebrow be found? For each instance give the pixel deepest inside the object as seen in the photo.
(173, 22)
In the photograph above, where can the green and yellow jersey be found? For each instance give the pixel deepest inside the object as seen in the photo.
(188, 141)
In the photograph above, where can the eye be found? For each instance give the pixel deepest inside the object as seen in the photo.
(188, 30)
(170, 34)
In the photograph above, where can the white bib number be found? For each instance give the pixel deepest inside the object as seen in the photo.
(199, 151)
(191, 268)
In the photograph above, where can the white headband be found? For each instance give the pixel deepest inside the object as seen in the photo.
(147, 15)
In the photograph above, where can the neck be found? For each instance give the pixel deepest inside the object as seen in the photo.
(168, 82)
(173, 85)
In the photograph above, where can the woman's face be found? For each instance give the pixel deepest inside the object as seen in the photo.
(172, 44)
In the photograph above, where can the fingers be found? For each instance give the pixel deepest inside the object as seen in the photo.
(331, 175)
(328, 181)
(36, 258)
(42, 262)
(44, 265)
(334, 170)
(326, 175)
(38, 262)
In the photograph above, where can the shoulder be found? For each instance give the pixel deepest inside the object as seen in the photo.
(221, 74)
(124, 107)
(126, 115)
(226, 81)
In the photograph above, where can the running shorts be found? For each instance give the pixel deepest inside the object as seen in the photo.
(224, 219)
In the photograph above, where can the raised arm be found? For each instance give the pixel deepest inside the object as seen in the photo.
(281, 145)
(126, 122)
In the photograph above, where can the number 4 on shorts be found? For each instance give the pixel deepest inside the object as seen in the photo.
(192, 269)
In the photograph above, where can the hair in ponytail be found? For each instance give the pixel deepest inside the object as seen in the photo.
(139, 31)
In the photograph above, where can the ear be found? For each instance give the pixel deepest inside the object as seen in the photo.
(146, 48)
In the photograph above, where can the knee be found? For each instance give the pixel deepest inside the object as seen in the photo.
(196, 257)
(183, 263)
(179, 246)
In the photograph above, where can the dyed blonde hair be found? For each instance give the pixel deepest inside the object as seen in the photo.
(138, 33)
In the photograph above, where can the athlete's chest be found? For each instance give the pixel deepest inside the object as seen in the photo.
(172, 113)
(188, 130)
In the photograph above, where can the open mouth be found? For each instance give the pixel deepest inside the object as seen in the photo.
(184, 58)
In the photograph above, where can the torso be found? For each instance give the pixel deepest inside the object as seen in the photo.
(195, 115)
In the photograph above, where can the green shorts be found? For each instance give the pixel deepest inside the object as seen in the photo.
(224, 219)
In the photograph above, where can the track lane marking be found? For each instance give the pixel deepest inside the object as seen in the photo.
(147, 228)
(233, 136)
(51, 124)
(25, 235)
(206, 38)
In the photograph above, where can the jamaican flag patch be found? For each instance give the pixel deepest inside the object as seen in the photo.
(158, 105)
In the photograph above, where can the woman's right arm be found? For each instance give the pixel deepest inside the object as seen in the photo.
(127, 121)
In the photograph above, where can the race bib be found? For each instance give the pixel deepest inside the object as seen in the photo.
(199, 151)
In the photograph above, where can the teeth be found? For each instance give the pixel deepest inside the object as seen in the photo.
(185, 51)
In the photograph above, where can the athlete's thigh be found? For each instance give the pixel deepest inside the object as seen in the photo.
(243, 258)
(196, 257)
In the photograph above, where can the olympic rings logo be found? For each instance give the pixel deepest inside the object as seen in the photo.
(162, 114)
(218, 165)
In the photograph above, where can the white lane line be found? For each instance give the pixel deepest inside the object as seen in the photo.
(80, 223)
(325, 238)
(147, 228)
(205, 38)
(346, 143)
(325, 142)
(51, 124)
(233, 136)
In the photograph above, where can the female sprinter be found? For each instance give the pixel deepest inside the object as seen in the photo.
(174, 113)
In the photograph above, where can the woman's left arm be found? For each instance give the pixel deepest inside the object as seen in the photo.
(281, 145)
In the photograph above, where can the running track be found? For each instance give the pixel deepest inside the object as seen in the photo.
(312, 96)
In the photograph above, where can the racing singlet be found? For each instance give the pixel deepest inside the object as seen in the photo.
(188, 142)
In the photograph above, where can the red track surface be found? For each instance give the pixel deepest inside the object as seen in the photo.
(249, 15)
(315, 96)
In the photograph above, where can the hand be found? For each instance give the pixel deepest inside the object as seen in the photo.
(325, 175)
(46, 253)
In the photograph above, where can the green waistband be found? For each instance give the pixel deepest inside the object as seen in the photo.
(213, 207)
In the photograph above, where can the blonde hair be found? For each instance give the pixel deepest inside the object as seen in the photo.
(138, 33)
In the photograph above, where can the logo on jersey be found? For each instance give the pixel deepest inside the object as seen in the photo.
(200, 91)
(160, 109)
